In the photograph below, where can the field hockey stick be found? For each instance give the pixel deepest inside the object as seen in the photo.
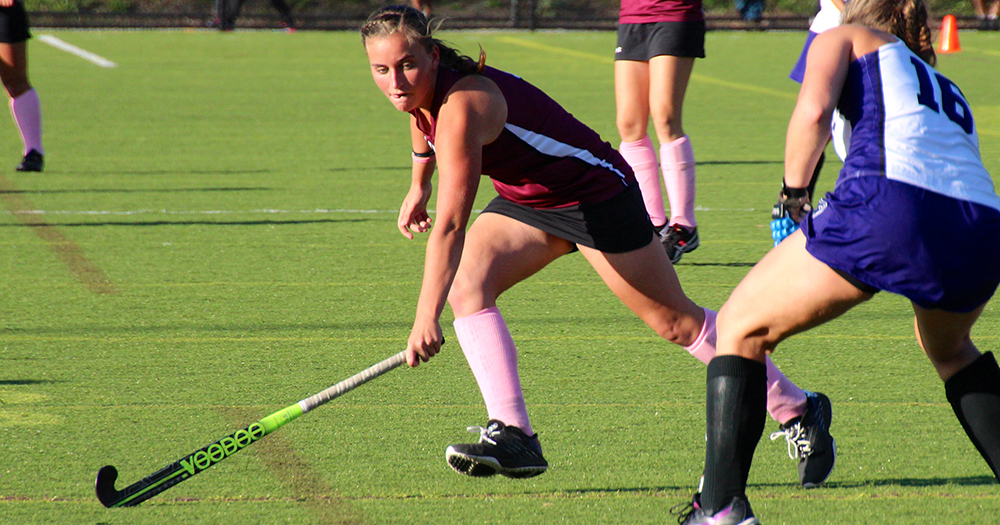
(205, 457)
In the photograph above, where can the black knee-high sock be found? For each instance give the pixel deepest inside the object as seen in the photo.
(736, 408)
(974, 394)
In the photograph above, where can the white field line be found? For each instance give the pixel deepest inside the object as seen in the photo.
(264, 211)
(73, 50)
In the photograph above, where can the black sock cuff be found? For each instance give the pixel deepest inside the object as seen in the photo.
(736, 366)
(982, 375)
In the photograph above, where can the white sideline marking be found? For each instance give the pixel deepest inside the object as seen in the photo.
(70, 48)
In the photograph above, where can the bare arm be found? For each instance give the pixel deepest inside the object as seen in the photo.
(413, 215)
(472, 115)
(839, 4)
(809, 128)
(830, 56)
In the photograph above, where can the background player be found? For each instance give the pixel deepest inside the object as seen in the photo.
(24, 105)
(658, 41)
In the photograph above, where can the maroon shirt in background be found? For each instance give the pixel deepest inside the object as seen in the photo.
(648, 11)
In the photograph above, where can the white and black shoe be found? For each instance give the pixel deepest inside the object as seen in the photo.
(678, 240)
(810, 442)
(501, 450)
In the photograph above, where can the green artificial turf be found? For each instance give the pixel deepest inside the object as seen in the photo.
(214, 238)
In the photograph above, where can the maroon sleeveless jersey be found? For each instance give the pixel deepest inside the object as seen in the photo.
(544, 158)
(649, 11)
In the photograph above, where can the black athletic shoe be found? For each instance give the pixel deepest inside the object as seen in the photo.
(738, 512)
(678, 240)
(33, 161)
(500, 450)
(810, 442)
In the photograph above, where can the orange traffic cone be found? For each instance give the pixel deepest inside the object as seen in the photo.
(949, 35)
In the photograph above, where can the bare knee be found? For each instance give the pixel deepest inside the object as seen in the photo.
(668, 127)
(467, 297)
(631, 129)
(738, 335)
(15, 83)
(680, 328)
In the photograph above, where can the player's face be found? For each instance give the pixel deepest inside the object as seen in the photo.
(403, 70)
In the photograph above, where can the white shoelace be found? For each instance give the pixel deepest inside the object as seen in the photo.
(484, 434)
(798, 443)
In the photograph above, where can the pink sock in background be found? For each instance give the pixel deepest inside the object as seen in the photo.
(677, 162)
(27, 111)
(785, 401)
(641, 155)
(491, 354)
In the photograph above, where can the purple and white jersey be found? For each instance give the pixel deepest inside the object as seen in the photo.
(828, 17)
(544, 157)
(915, 128)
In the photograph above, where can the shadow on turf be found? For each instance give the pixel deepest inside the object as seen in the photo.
(372, 168)
(735, 162)
(724, 265)
(116, 190)
(189, 223)
(163, 172)
(915, 482)
(24, 382)
(238, 328)
(970, 481)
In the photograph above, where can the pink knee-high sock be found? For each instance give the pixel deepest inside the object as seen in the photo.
(27, 113)
(641, 155)
(785, 401)
(491, 354)
(677, 162)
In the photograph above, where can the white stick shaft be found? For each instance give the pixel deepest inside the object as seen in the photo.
(352, 382)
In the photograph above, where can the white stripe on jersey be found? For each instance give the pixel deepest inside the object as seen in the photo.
(930, 137)
(554, 148)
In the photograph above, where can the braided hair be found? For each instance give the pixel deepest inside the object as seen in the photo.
(412, 24)
(905, 19)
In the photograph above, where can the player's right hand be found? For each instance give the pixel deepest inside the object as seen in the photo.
(425, 342)
(413, 216)
(786, 215)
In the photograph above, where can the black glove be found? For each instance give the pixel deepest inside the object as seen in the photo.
(793, 203)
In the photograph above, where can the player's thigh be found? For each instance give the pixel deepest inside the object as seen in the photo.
(14, 67)
(632, 98)
(645, 281)
(787, 292)
(499, 252)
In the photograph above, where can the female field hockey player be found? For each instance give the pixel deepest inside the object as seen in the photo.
(24, 104)
(561, 189)
(658, 41)
(912, 188)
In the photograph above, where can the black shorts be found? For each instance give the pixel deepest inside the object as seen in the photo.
(641, 42)
(14, 24)
(617, 225)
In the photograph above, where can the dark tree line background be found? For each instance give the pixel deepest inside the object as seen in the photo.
(347, 14)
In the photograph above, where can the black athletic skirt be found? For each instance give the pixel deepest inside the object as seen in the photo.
(641, 42)
(14, 24)
(617, 225)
